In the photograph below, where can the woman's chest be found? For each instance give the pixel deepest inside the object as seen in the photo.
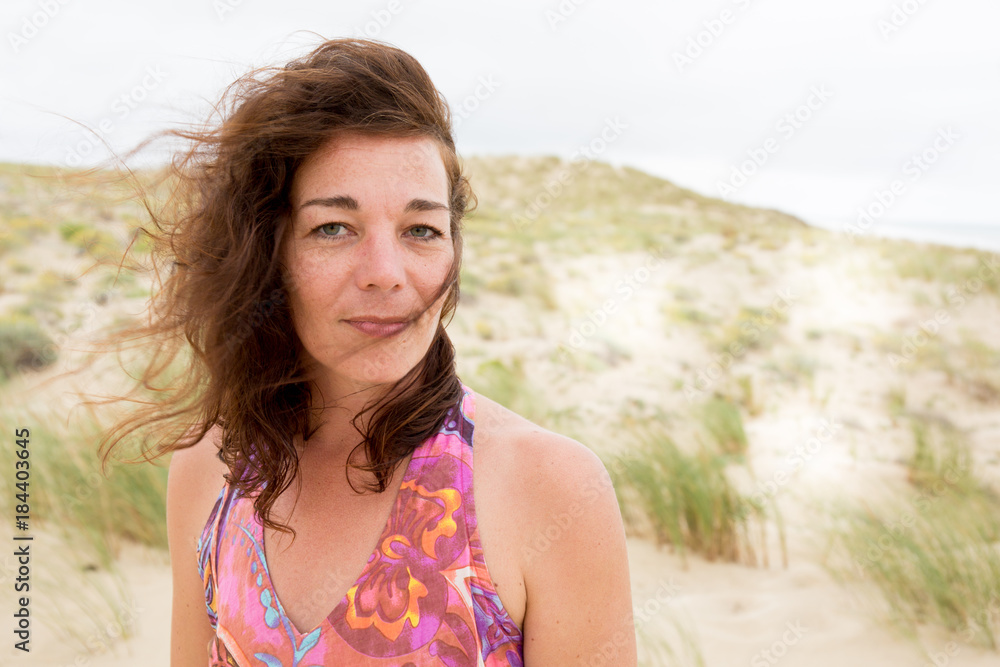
(334, 539)
(347, 541)
(337, 532)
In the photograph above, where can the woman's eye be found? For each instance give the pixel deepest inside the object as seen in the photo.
(336, 229)
(325, 230)
(428, 232)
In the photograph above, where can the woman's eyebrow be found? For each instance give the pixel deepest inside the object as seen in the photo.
(349, 203)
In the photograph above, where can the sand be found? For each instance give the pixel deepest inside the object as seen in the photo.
(828, 365)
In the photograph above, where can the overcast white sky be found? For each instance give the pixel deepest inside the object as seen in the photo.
(894, 76)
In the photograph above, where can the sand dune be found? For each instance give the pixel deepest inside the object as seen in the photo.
(849, 308)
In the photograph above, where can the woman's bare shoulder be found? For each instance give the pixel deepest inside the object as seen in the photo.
(200, 463)
(510, 438)
(533, 462)
(195, 478)
(561, 524)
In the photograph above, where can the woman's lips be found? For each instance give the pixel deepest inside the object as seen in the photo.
(379, 330)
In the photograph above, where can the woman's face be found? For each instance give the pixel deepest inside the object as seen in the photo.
(368, 249)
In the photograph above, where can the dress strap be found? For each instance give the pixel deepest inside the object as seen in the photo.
(208, 551)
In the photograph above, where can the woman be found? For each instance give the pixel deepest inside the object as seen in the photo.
(315, 255)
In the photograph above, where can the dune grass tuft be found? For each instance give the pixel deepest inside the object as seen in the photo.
(969, 271)
(84, 519)
(70, 492)
(752, 329)
(687, 500)
(933, 557)
(724, 424)
(940, 459)
(749, 398)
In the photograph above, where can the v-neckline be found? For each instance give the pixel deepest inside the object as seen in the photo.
(369, 563)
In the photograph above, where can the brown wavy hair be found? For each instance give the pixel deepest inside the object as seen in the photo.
(223, 311)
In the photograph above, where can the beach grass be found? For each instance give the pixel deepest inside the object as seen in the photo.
(751, 329)
(965, 272)
(932, 556)
(749, 397)
(673, 643)
(940, 459)
(70, 491)
(723, 422)
(687, 500)
(507, 383)
(84, 520)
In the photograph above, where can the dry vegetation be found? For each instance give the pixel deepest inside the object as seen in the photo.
(678, 336)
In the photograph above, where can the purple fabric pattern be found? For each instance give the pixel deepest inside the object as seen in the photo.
(424, 597)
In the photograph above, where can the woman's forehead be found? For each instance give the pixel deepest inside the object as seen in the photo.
(359, 160)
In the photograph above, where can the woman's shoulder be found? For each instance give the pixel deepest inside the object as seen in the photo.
(195, 478)
(200, 464)
(556, 536)
(538, 467)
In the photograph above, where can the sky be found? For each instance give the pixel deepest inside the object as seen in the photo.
(827, 111)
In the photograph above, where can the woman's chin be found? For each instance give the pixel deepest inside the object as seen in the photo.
(376, 373)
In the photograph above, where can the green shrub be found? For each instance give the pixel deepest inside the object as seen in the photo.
(23, 345)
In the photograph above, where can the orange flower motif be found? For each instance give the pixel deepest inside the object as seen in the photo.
(387, 543)
(390, 629)
(446, 525)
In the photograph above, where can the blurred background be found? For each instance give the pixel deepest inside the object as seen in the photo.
(700, 87)
(745, 250)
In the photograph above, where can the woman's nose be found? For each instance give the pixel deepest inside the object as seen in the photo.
(380, 260)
